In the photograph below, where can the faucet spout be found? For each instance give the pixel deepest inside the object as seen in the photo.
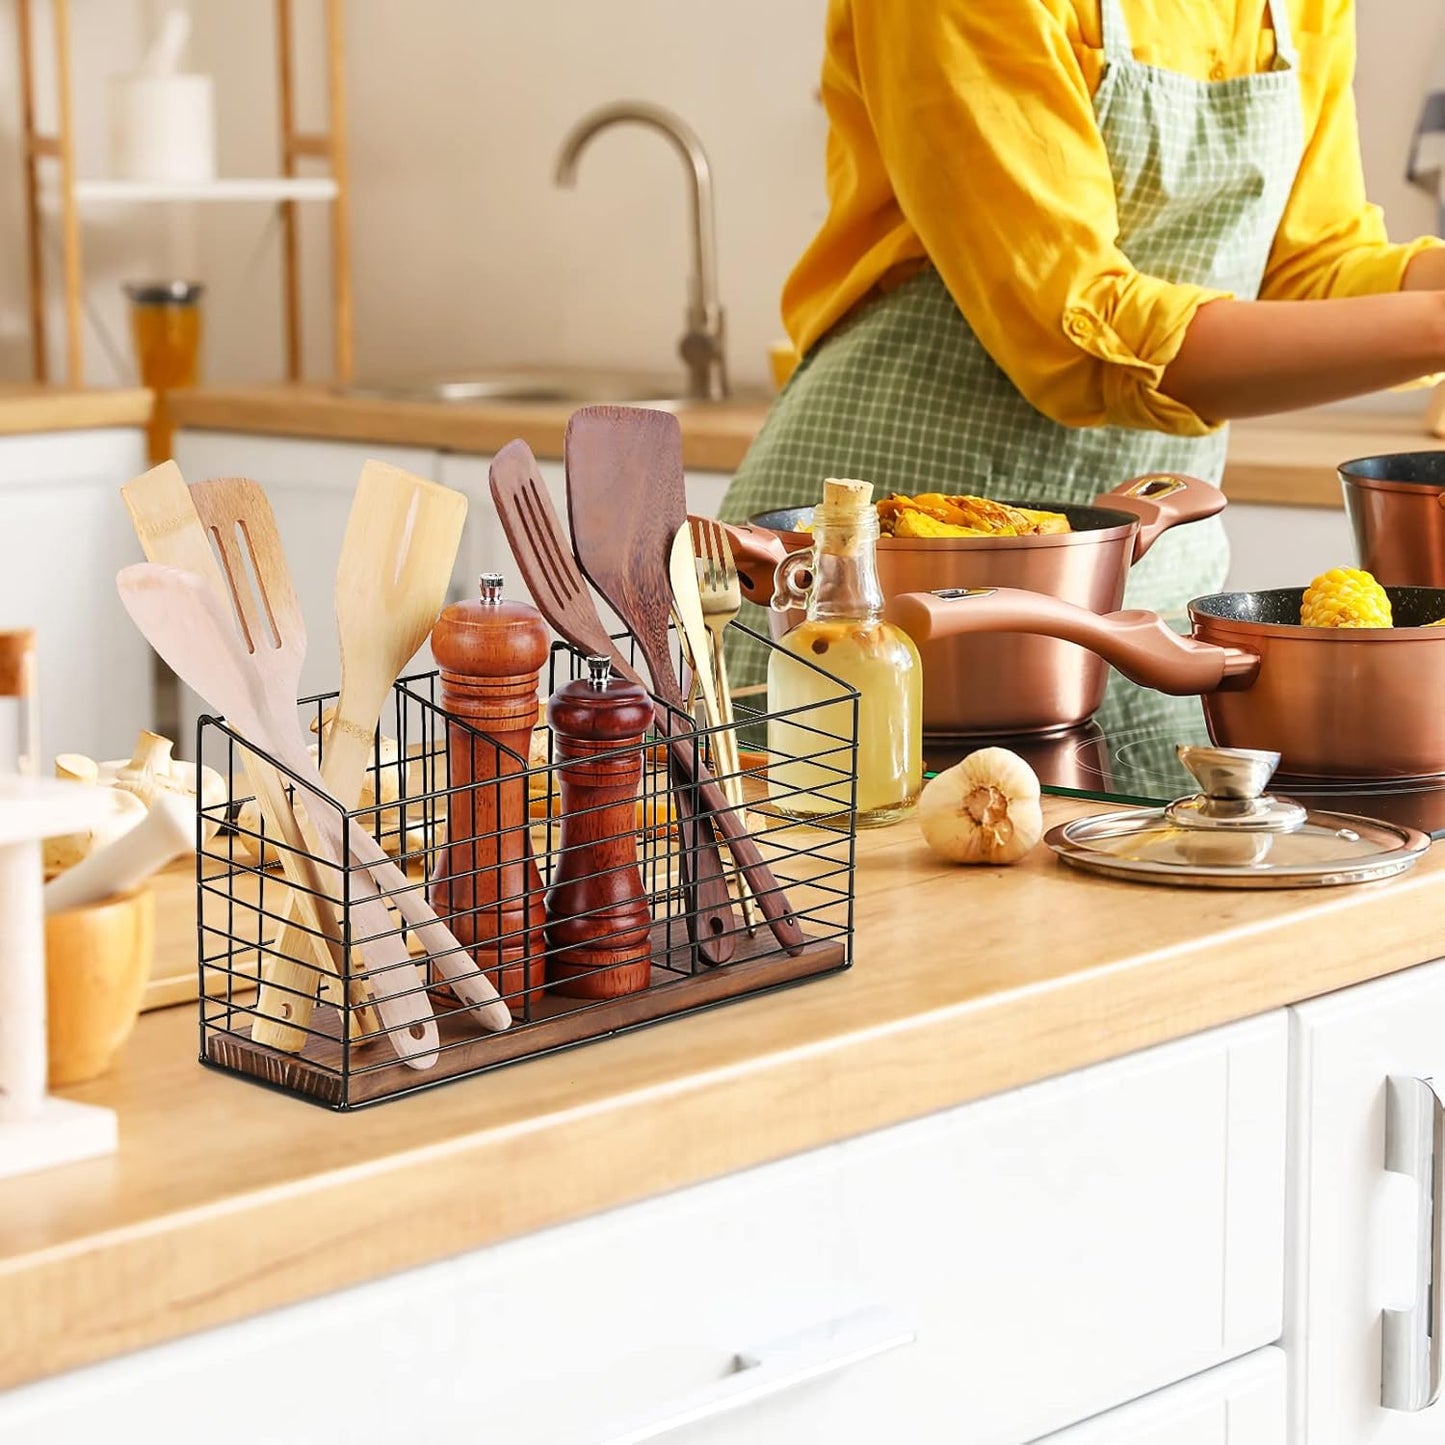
(702, 345)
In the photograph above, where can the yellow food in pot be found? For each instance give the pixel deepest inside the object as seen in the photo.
(933, 514)
(1345, 597)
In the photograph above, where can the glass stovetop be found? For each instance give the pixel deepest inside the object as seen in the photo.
(1126, 755)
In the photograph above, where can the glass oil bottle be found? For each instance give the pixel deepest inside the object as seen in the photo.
(845, 635)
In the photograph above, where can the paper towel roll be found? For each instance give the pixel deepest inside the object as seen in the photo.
(162, 128)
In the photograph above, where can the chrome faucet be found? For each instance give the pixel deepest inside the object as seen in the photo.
(701, 347)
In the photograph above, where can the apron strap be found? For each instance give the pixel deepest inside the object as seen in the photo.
(1118, 47)
(1286, 57)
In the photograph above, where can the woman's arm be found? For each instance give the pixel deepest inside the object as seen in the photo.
(1343, 311)
(1249, 358)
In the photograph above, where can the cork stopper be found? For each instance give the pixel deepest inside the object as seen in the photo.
(845, 523)
(846, 497)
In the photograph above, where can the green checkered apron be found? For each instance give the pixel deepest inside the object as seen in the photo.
(903, 394)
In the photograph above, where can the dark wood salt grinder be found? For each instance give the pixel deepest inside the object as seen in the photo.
(485, 883)
(598, 923)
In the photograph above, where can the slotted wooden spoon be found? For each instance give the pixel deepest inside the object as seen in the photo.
(236, 510)
(391, 581)
(560, 592)
(170, 531)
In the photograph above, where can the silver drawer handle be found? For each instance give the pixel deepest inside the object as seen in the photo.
(1411, 1338)
(784, 1365)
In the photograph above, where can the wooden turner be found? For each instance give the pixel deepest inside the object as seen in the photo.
(236, 510)
(391, 582)
(170, 531)
(625, 503)
(560, 592)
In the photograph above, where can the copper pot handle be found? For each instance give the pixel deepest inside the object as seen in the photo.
(757, 553)
(1162, 500)
(1140, 644)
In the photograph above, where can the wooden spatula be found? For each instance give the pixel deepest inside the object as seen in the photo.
(391, 581)
(560, 592)
(170, 531)
(625, 503)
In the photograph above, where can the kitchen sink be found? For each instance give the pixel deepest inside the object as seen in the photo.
(539, 388)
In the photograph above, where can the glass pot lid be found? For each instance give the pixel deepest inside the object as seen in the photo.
(1233, 834)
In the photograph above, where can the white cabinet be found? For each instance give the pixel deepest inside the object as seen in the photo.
(1284, 546)
(1241, 1403)
(986, 1275)
(1353, 1224)
(65, 534)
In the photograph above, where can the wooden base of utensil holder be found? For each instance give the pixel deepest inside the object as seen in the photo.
(321, 1073)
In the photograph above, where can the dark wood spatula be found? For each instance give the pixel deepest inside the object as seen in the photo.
(560, 592)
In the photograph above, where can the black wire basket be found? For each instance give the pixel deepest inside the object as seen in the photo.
(291, 990)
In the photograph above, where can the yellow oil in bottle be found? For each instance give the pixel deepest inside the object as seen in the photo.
(809, 753)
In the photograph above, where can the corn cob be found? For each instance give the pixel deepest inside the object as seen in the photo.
(1345, 597)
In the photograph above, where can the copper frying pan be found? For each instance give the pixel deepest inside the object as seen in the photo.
(1333, 702)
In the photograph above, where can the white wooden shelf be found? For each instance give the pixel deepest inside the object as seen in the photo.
(262, 188)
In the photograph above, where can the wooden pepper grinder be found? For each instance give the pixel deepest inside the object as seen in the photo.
(486, 883)
(598, 923)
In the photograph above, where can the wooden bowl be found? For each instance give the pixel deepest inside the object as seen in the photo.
(97, 966)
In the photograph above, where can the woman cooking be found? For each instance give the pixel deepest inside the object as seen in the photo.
(1068, 240)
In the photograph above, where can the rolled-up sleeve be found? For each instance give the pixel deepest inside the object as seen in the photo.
(986, 123)
(1332, 241)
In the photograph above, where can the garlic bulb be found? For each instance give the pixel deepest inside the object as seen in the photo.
(985, 809)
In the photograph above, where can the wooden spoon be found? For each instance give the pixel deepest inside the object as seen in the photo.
(391, 581)
(248, 682)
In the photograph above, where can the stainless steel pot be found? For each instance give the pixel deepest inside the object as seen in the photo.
(1333, 702)
(1396, 507)
(992, 685)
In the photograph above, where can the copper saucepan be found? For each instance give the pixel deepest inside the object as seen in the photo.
(993, 685)
(1396, 507)
(1333, 702)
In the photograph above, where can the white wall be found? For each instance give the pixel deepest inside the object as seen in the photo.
(465, 253)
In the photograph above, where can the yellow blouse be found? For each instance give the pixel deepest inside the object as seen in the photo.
(963, 131)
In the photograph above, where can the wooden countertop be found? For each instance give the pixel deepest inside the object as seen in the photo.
(714, 438)
(1286, 461)
(226, 1199)
(36, 408)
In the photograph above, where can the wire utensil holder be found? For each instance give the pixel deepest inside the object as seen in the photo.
(799, 774)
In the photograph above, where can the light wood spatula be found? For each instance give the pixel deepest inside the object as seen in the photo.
(391, 582)
(171, 532)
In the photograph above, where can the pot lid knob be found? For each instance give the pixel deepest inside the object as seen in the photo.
(1232, 781)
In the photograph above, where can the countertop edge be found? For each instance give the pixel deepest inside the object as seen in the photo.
(208, 1267)
(26, 411)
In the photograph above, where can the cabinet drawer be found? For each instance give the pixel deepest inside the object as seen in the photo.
(990, 1274)
(1241, 1403)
